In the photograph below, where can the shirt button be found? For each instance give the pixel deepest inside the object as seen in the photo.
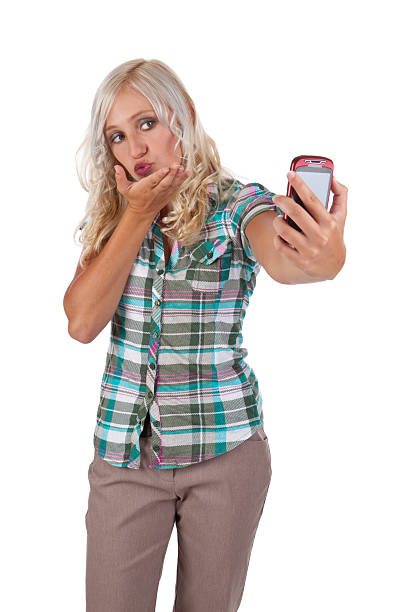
(210, 254)
(152, 366)
(155, 334)
(149, 394)
(160, 271)
(157, 302)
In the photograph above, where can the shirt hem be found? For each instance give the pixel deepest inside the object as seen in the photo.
(169, 464)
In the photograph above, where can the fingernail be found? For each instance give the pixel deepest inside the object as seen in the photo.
(290, 174)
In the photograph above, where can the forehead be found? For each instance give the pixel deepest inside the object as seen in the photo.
(127, 102)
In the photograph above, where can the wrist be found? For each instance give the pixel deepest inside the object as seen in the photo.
(143, 216)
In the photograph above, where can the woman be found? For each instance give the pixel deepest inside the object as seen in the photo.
(179, 435)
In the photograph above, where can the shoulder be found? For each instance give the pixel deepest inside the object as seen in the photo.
(248, 192)
(248, 201)
(220, 193)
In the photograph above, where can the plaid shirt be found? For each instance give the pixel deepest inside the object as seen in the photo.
(175, 345)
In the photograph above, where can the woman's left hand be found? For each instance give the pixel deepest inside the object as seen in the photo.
(320, 251)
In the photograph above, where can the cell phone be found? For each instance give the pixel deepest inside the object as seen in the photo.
(317, 172)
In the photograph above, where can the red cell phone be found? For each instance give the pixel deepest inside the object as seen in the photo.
(317, 173)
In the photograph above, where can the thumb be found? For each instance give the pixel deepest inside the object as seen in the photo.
(121, 179)
(339, 206)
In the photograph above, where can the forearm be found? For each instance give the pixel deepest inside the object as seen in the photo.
(92, 298)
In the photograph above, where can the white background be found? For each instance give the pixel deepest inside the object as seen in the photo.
(270, 81)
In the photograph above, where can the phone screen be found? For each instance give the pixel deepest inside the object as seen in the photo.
(318, 180)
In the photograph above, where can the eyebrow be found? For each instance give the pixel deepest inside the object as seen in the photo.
(111, 127)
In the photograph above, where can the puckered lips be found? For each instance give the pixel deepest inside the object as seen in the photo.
(143, 168)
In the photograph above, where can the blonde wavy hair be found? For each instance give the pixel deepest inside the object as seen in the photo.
(105, 205)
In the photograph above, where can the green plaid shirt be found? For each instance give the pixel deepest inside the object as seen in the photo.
(175, 345)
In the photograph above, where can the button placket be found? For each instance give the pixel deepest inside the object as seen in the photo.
(153, 354)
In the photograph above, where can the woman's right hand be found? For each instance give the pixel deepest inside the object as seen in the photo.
(153, 192)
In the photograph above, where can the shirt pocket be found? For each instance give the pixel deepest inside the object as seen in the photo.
(210, 265)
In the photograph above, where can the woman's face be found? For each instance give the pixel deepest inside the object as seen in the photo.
(142, 138)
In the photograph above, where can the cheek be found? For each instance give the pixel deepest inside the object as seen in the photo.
(114, 153)
(168, 139)
(178, 152)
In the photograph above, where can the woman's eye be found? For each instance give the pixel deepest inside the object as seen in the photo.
(148, 121)
(119, 135)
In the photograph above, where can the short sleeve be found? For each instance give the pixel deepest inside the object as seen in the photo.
(244, 205)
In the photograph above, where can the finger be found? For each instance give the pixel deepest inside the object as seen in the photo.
(179, 177)
(177, 174)
(170, 176)
(338, 187)
(288, 250)
(312, 203)
(156, 178)
(182, 174)
(172, 179)
(290, 235)
(122, 182)
(119, 172)
(339, 206)
(299, 215)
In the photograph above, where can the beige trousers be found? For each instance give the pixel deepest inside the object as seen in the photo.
(216, 505)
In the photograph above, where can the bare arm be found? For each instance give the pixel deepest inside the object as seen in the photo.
(92, 297)
(318, 252)
(261, 232)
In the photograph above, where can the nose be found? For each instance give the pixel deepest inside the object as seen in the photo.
(137, 148)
